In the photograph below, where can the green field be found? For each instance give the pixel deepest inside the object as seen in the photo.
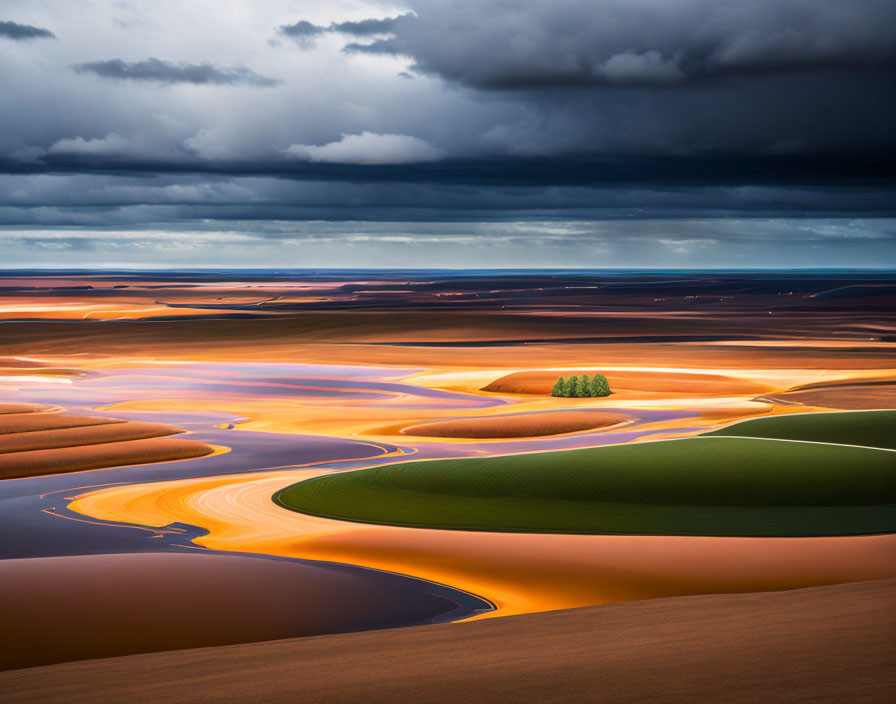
(868, 428)
(696, 486)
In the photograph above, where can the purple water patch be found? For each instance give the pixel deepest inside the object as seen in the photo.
(35, 521)
(240, 381)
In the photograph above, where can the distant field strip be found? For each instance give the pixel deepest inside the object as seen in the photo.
(713, 485)
(867, 428)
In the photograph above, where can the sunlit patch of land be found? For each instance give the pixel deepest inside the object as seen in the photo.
(622, 380)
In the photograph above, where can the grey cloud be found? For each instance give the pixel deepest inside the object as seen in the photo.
(531, 44)
(302, 28)
(365, 28)
(106, 200)
(22, 32)
(159, 71)
(304, 32)
(367, 148)
(574, 110)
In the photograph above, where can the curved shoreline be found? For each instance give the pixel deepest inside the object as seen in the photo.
(244, 599)
(572, 570)
(33, 525)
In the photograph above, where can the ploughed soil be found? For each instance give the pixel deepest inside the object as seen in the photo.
(520, 425)
(823, 644)
(21, 408)
(35, 442)
(87, 435)
(108, 454)
(29, 422)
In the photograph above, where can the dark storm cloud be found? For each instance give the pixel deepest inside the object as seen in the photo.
(158, 71)
(526, 44)
(573, 110)
(683, 77)
(21, 32)
(663, 170)
(63, 199)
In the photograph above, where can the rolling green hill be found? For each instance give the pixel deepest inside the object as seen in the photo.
(867, 428)
(696, 486)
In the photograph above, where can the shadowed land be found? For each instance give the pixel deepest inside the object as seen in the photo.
(56, 609)
(827, 645)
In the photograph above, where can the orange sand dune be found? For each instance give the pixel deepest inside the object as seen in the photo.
(541, 382)
(22, 363)
(520, 573)
(21, 408)
(827, 645)
(39, 371)
(868, 393)
(108, 454)
(29, 422)
(516, 426)
(87, 435)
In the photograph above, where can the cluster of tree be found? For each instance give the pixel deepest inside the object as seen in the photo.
(581, 386)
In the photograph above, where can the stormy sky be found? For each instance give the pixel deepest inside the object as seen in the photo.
(448, 133)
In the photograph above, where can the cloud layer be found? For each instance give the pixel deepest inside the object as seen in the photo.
(166, 114)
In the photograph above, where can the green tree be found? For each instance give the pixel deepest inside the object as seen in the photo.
(581, 390)
(581, 386)
(599, 386)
